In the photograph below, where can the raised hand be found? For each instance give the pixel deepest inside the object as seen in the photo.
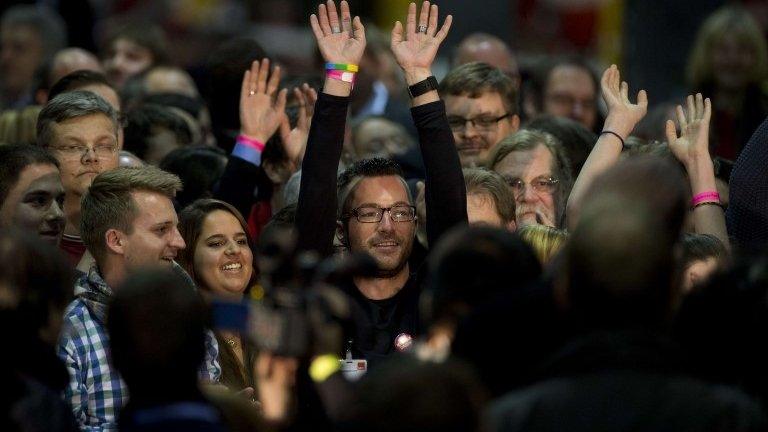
(260, 110)
(416, 46)
(623, 115)
(295, 140)
(693, 142)
(340, 39)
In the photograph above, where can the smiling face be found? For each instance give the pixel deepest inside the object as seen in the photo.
(223, 260)
(387, 241)
(474, 141)
(532, 207)
(154, 238)
(77, 169)
(35, 203)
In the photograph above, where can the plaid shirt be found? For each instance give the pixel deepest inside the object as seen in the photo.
(96, 392)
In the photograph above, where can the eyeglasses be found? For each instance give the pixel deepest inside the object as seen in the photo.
(78, 151)
(539, 185)
(370, 214)
(484, 123)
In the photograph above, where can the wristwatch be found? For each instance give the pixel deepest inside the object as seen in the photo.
(422, 87)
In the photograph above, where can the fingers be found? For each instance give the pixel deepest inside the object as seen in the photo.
(432, 26)
(707, 111)
(691, 117)
(261, 77)
(397, 34)
(316, 27)
(245, 86)
(322, 12)
(624, 91)
(424, 15)
(681, 118)
(274, 81)
(670, 131)
(410, 21)
(358, 30)
(300, 97)
(281, 98)
(346, 18)
(443, 33)
(333, 17)
(699, 106)
(642, 98)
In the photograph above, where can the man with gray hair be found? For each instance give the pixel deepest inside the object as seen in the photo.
(29, 36)
(80, 129)
(129, 224)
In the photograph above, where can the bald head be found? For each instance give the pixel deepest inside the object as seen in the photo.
(69, 60)
(482, 47)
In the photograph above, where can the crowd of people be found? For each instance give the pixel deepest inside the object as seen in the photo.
(367, 248)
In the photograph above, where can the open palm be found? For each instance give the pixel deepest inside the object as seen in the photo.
(340, 39)
(417, 50)
(694, 129)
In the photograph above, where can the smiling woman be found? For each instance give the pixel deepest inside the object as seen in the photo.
(220, 259)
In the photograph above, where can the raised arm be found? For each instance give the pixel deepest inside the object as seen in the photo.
(415, 47)
(691, 148)
(261, 112)
(747, 214)
(623, 115)
(341, 40)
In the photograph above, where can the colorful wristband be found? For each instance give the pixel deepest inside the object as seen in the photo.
(341, 76)
(342, 67)
(245, 139)
(709, 196)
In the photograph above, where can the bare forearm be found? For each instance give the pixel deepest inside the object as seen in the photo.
(707, 219)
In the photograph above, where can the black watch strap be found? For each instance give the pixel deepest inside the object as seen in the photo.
(422, 87)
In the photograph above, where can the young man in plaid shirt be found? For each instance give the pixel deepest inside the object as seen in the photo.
(128, 224)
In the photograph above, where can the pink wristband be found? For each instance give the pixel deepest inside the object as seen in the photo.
(250, 142)
(709, 196)
(341, 76)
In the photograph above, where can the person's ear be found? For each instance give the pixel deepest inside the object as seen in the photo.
(512, 226)
(515, 122)
(115, 241)
(341, 234)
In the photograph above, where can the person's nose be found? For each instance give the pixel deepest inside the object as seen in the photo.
(232, 248)
(55, 213)
(470, 130)
(90, 155)
(386, 223)
(177, 241)
(527, 194)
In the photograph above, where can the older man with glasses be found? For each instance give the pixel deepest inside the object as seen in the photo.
(80, 129)
(481, 104)
(537, 170)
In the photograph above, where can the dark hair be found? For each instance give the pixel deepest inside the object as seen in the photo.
(474, 79)
(49, 26)
(619, 259)
(13, 159)
(408, 394)
(190, 105)
(77, 80)
(576, 139)
(722, 326)
(141, 124)
(199, 168)
(148, 36)
(371, 167)
(35, 278)
(700, 247)
(157, 332)
(499, 262)
(191, 220)
(226, 67)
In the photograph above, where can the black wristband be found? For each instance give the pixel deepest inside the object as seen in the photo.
(610, 132)
(423, 87)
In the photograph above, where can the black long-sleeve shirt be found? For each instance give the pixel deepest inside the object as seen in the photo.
(378, 322)
(747, 215)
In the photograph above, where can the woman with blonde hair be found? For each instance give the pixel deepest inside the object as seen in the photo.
(729, 64)
(545, 241)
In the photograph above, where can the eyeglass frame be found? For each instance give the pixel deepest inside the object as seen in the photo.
(553, 182)
(84, 149)
(491, 122)
(381, 210)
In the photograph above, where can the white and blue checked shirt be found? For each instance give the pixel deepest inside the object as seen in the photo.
(96, 392)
